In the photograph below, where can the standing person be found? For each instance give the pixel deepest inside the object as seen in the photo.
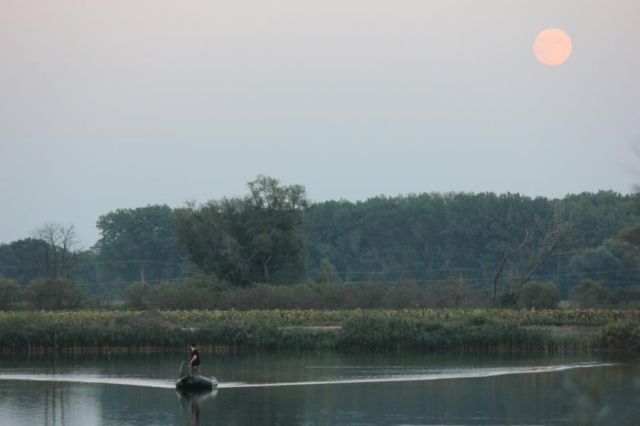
(195, 359)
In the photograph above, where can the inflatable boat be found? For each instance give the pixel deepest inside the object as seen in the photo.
(189, 381)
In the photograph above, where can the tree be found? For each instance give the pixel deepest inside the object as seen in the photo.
(450, 294)
(553, 243)
(590, 294)
(55, 294)
(508, 254)
(327, 273)
(275, 242)
(252, 239)
(10, 292)
(60, 240)
(137, 295)
(625, 296)
(132, 239)
(24, 260)
(629, 238)
(207, 234)
(539, 295)
(435, 236)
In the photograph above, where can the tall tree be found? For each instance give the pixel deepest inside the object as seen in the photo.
(139, 240)
(24, 260)
(552, 243)
(256, 238)
(60, 241)
(629, 239)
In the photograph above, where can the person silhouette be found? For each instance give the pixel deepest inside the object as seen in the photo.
(194, 359)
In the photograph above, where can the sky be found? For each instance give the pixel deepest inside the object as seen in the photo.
(125, 103)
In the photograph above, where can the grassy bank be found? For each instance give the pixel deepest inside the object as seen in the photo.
(424, 329)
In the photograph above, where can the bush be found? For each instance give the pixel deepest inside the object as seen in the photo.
(178, 296)
(262, 296)
(206, 292)
(590, 294)
(137, 295)
(10, 292)
(55, 294)
(539, 296)
(327, 273)
(508, 300)
(197, 292)
(625, 296)
(623, 335)
(451, 294)
(405, 294)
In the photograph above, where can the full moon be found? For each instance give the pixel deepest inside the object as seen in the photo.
(552, 47)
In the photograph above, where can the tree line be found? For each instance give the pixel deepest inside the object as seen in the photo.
(495, 243)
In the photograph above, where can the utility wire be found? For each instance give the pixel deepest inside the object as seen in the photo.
(432, 281)
(401, 271)
(105, 262)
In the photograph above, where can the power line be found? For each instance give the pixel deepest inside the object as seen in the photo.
(401, 271)
(104, 262)
(432, 281)
(127, 282)
(408, 271)
(481, 270)
(452, 270)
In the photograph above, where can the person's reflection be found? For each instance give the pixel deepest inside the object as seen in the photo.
(195, 412)
(191, 403)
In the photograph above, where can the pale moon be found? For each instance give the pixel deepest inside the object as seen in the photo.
(552, 47)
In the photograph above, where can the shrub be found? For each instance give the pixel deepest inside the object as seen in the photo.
(625, 296)
(197, 292)
(365, 296)
(55, 294)
(508, 300)
(450, 294)
(264, 296)
(137, 295)
(539, 296)
(405, 294)
(327, 272)
(10, 292)
(623, 335)
(589, 294)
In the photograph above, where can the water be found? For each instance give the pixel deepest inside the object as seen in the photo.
(324, 389)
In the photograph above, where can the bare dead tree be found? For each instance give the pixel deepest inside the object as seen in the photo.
(508, 254)
(554, 243)
(60, 241)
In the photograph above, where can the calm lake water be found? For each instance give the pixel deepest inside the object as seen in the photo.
(324, 389)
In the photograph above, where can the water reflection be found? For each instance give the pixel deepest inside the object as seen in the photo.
(190, 401)
(54, 406)
(338, 389)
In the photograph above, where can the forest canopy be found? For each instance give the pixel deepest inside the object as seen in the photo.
(274, 234)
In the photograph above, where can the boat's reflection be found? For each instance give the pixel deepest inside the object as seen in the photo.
(190, 402)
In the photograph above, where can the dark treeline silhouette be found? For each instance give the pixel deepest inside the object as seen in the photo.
(431, 237)
(496, 244)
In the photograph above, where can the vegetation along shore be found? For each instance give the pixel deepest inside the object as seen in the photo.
(349, 330)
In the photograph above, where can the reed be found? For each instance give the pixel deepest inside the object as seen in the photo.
(418, 329)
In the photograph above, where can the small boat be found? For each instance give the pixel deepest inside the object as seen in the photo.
(192, 382)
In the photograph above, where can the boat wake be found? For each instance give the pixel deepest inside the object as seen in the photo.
(442, 375)
(100, 380)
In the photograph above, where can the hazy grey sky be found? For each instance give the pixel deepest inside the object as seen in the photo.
(122, 103)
